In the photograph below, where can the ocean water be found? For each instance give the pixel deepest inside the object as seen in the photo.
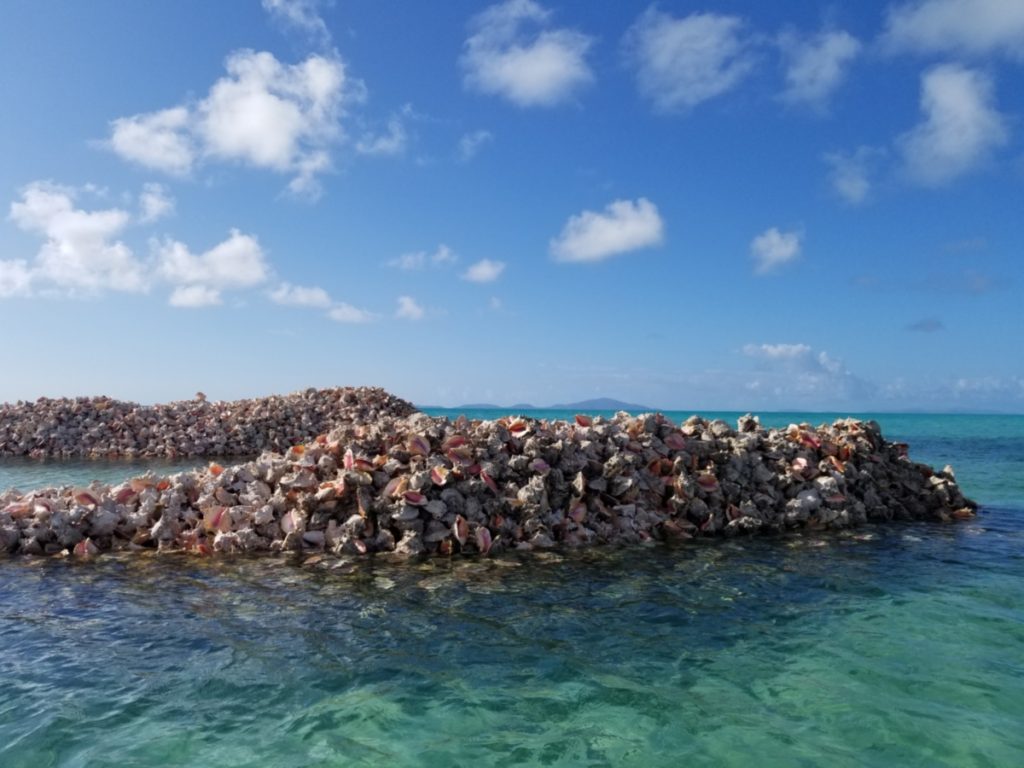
(895, 645)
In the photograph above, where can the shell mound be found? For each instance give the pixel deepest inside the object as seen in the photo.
(418, 484)
(91, 427)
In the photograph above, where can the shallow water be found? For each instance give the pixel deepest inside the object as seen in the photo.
(25, 474)
(890, 645)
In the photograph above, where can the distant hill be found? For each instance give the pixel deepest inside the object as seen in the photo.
(604, 404)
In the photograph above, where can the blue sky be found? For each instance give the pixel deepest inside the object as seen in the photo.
(738, 205)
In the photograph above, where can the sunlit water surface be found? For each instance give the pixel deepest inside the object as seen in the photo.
(892, 645)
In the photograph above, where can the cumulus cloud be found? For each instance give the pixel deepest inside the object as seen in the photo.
(512, 52)
(155, 203)
(290, 295)
(159, 140)
(971, 27)
(80, 253)
(772, 248)
(850, 173)
(263, 114)
(961, 127)
(484, 271)
(817, 66)
(624, 225)
(408, 309)
(442, 256)
(681, 62)
(301, 15)
(471, 143)
(391, 142)
(235, 263)
(346, 313)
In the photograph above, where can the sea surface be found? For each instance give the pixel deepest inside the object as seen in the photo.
(894, 645)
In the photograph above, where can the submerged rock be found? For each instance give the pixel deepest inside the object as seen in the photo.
(384, 479)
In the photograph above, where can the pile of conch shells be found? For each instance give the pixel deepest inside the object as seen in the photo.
(93, 427)
(416, 484)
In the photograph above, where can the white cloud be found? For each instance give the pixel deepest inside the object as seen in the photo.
(772, 248)
(484, 271)
(194, 296)
(798, 370)
(850, 173)
(158, 140)
(972, 27)
(540, 69)
(264, 114)
(415, 260)
(961, 127)
(471, 143)
(297, 296)
(777, 351)
(393, 142)
(682, 62)
(625, 225)
(346, 313)
(408, 309)
(15, 278)
(154, 203)
(80, 253)
(235, 263)
(301, 15)
(816, 67)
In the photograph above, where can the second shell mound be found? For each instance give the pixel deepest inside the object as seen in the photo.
(420, 484)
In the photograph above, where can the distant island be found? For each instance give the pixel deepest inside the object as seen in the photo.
(595, 404)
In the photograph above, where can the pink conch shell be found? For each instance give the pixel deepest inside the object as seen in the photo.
(483, 540)
(85, 548)
(418, 445)
(460, 529)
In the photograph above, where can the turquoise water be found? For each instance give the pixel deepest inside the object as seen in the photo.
(898, 645)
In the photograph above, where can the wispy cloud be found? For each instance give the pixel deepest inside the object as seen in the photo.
(772, 249)
(290, 295)
(442, 256)
(541, 68)
(392, 142)
(471, 143)
(301, 15)
(777, 351)
(155, 203)
(263, 114)
(346, 313)
(816, 66)
(851, 173)
(623, 226)
(484, 271)
(926, 325)
(194, 297)
(962, 27)
(15, 278)
(409, 309)
(681, 62)
(796, 372)
(961, 127)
